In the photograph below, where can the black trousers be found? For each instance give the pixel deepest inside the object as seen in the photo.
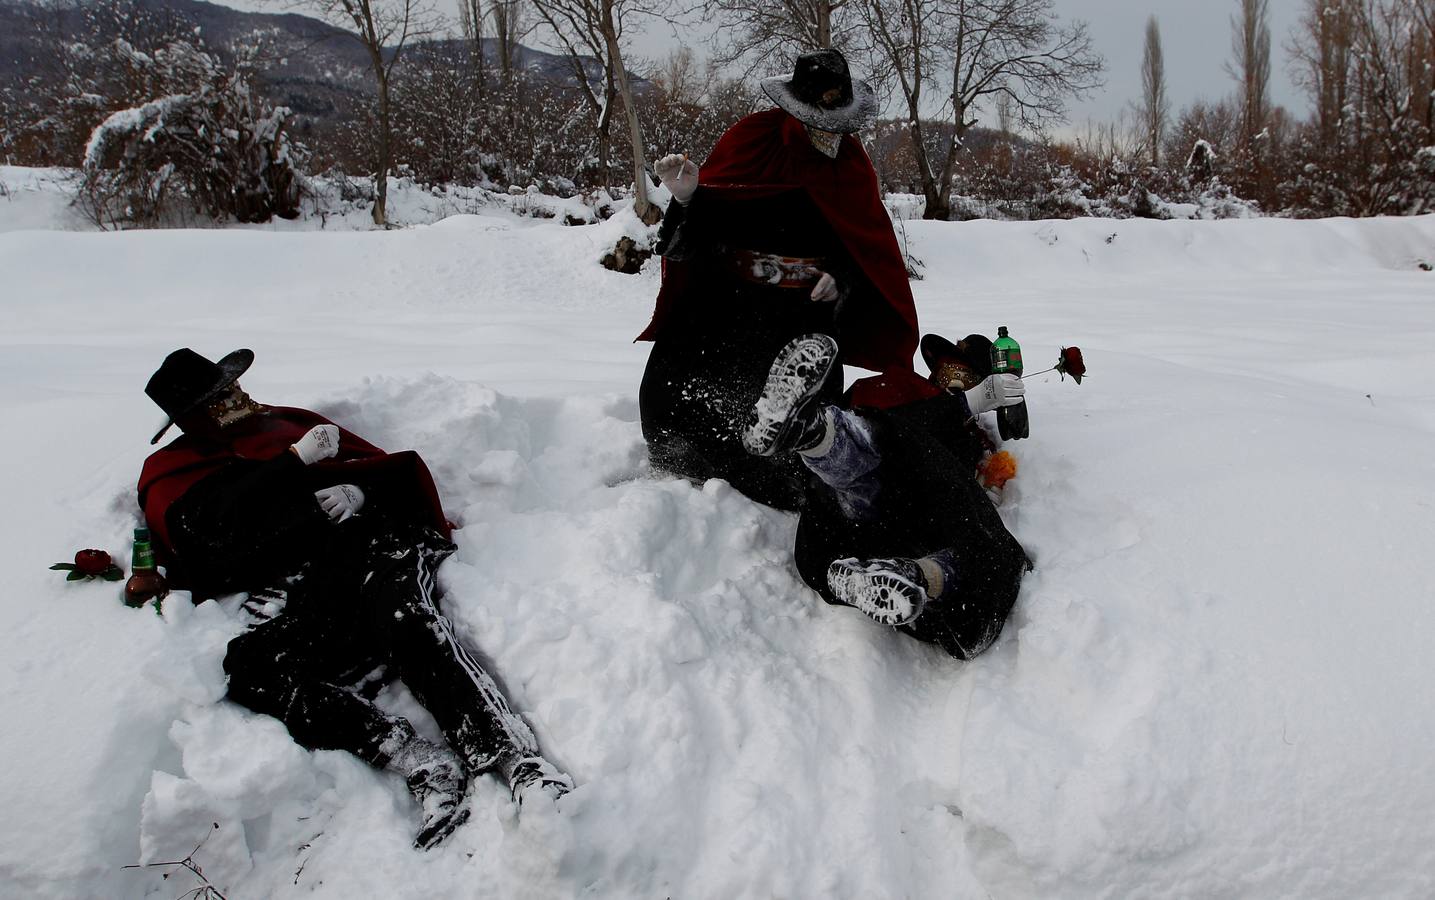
(928, 501)
(705, 373)
(362, 602)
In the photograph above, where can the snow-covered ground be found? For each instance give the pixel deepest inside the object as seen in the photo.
(1215, 683)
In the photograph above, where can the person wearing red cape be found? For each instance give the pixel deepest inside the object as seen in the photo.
(780, 265)
(281, 503)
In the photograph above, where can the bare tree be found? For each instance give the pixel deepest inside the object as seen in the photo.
(1006, 115)
(975, 52)
(470, 23)
(678, 78)
(1251, 66)
(593, 30)
(383, 28)
(1395, 78)
(769, 34)
(1369, 69)
(1321, 57)
(508, 29)
(1155, 107)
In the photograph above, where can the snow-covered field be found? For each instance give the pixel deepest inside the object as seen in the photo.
(1217, 682)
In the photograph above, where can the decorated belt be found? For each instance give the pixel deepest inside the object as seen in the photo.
(777, 271)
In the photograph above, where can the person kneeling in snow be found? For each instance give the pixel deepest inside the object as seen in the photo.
(781, 233)
(279, 501)
(898, 526)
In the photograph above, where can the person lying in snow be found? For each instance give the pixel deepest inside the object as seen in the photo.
(781, 233)
(895, 523)
(280, 501)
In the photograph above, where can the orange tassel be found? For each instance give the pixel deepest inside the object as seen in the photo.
(996, 470)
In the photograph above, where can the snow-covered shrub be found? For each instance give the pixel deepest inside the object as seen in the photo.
(1201, 162)
(210, 145)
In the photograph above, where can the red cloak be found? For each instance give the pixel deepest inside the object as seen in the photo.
(171, 471)
(769, 152)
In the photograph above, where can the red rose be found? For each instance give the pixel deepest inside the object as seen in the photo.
(1071, 363)
(92, 562)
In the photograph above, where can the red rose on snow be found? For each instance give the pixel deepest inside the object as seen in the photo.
(92, 562)
(1071, 363)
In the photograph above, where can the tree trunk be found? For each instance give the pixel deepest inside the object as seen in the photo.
(605, 136)
(919, 153)
(936, 188)
(949, 168)
(385, 148)
(646, 211)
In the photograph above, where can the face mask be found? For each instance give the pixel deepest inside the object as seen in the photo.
(826, 142)
(232, 407)
(955, 377)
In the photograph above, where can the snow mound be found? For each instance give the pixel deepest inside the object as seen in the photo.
(1213, 684)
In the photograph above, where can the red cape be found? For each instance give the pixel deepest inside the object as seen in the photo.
(171, 471)
(770, 152)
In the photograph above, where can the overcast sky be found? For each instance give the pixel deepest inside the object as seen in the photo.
(1195, 39)
(1196, 42)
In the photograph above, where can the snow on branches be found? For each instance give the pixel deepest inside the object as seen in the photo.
(210, 145)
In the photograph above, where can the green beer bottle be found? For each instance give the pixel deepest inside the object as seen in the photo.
(145, 581)
(1012, 421)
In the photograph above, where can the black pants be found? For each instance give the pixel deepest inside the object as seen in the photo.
(362, 599)
(927, 502)
(706, 372)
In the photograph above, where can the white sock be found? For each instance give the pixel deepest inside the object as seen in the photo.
(824, 446)
(933, 575)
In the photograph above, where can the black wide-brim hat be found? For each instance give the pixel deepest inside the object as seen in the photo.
(186, 381)
(973, 351)
(821, 93)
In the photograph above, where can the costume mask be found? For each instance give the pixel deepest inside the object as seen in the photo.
(954, 376)
(231, 407)
(826, 142)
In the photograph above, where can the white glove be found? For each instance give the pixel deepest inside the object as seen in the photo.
(826, 289)
(1004, 389)
(340, 501)
(322, 442)
(679, 175)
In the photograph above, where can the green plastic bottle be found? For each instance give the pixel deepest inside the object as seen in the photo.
(145, 582)
(1012, 421)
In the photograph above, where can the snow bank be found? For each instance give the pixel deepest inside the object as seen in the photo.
(1213, 683)
(42, 199)
(39, 199)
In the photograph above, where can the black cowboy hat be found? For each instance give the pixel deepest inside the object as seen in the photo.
(186, 381)
(821, 93)
(973, 351)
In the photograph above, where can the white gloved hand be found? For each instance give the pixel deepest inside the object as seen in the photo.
(826, 289)
(1003, 389)
(322, 442)
(340, 501)
(679, 175)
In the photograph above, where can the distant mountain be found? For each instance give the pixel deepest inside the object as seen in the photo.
(317, 69)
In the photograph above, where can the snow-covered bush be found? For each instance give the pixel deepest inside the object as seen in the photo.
(209, 145)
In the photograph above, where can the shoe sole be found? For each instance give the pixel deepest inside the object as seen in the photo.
(797, 374)
(881, 595)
